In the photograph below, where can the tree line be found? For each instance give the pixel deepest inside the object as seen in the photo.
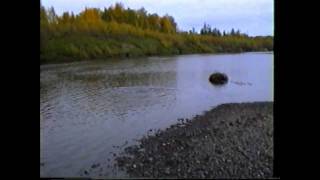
(207, 30)
(119, 32)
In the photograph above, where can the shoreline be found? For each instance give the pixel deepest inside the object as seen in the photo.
(233, 140)
(71, 60)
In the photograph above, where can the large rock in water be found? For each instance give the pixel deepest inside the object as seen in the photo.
(218, 78)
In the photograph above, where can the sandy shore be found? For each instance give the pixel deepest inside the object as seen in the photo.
(229, 141)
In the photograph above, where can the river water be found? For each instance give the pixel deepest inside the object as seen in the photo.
(91, 111)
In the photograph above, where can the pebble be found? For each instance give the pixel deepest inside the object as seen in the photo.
(201, 173)
(219, 151)
(141, 150)
(95, 165)
(167, 170)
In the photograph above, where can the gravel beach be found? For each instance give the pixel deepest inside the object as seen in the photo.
(230, 141)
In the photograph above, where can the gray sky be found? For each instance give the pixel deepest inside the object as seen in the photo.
(254, 17)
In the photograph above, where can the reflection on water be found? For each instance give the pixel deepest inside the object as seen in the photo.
(88, 108)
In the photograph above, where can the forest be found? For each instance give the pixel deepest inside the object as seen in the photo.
(118, 32)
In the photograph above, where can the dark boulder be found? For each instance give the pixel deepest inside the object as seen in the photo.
(218, 78)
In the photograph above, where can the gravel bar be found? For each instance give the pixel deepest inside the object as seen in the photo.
(230, 141)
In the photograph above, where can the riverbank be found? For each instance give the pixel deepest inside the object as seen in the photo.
(80, 47)
(74, 60)
(230, 141)
(96, 34)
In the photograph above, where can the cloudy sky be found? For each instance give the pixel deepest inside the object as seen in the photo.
(254, 17)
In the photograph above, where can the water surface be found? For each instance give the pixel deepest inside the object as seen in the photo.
(87, 109)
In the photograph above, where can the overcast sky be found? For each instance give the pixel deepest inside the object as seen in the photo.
(254, 17)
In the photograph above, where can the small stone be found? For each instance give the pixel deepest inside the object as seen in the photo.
(167, 171)
(219, 151)
(141, 150)
(134, 165)
(201, 174)
(189, 170)
(207, 158)
(94, 166)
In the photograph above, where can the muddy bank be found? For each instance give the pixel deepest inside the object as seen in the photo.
(229, 141)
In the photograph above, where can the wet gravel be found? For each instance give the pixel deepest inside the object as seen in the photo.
(230, 141)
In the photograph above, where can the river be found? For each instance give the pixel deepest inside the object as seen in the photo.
(90, 111)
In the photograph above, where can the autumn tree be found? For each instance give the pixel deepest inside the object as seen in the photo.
(166, 25)
(89, 19)
(154, 22)
(90, 16)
